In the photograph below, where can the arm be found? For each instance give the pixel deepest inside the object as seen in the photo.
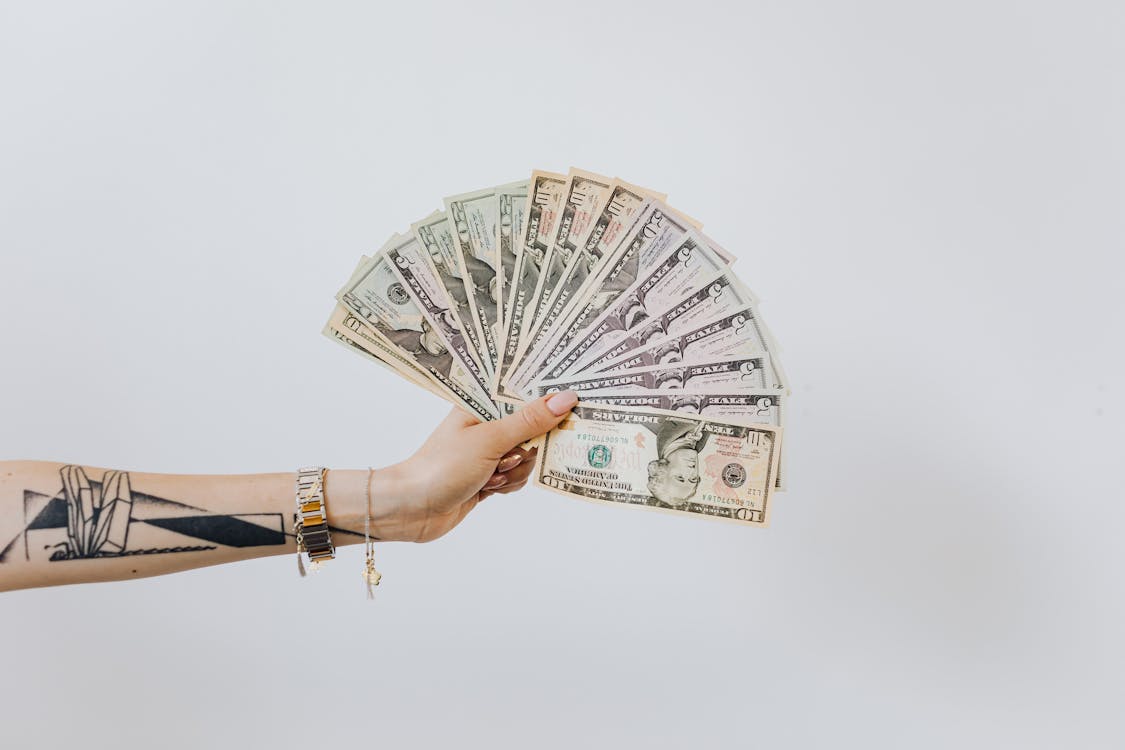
(71, 524)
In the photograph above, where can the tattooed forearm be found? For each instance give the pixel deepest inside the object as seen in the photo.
(89, 519)
(66, 524)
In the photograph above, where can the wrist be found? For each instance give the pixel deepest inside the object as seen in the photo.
(346, 502)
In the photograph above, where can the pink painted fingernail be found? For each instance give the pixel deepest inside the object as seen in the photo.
(497, 480)
(562, 402)
(509, 462)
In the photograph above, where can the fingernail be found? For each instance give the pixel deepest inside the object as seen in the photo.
(509, 462)
(496, 481)
(562, 402)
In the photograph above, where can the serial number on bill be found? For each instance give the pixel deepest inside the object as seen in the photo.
(603, 439)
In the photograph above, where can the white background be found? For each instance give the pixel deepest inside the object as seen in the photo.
(928, 197)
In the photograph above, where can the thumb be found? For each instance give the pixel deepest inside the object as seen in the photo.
(530, 421)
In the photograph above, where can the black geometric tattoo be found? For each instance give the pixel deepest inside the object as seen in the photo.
(97, 516)
(89, 519)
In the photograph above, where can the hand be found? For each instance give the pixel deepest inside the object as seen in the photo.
(461, 463)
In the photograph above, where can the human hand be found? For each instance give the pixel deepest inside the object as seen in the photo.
(461, 463)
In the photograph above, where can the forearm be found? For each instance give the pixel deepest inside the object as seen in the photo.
(110, 526)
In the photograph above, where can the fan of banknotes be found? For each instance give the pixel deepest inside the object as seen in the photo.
(589, 283)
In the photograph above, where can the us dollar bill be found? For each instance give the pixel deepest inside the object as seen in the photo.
(756, 406)
(765, 406)
(511, 200)
(716, 297)
(655, 229)
(686, 282)
(410, 263)
(436, 236)
(748, 373)
(670, 461)
(604, 231)
(348, 330)
(735, 334)
(584, 194)
(377, 296)
(541, 213)
(473, 217)
(358, 339)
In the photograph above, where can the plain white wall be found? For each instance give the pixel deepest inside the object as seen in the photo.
(928, 197)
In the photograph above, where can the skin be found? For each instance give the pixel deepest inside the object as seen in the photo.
(418, 500)
(682, 478)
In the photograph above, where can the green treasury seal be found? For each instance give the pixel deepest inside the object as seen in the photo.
(599, 456)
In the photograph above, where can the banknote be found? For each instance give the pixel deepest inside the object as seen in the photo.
(584, 195)
(542, 212)
(717, 297)
(720, 375)
(655, 229)
(757, 406)
(735, 334)
(765, 406)
(473, 217)
(356, 336)
(690, 283)
(411, 265)
(670, 461)
(377, 296)
(603, 232)
(511, 200)
(353, 333)
(437, 237)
